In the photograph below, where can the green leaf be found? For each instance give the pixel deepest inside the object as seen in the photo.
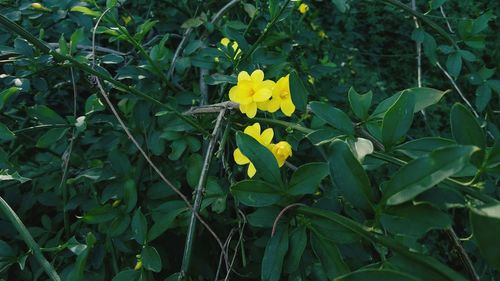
(263, 217)
(119, 162)
(297, 245)
(263, 160)
(397, 120)
(76, 37)
(119, 225)
(333, 116)
(164, 222)
(6, 176)
(485, 223)
(360, 104)
(329, 256)
(483, 97)
(45, 115)
(454, 64)
(192, 23)
(325, 228)
(151, 259)
(126, 275)
(424, 97)
(274, 255)
(481, 23)
(377, 274)
(255, 193)
(421, 147)
(306, 178)
(5, 133)
(100, 214)
(51, 137)
(6, 94)
(434, 4)
(139, 227)
(85, 11)
(129, 195)
(341, 5)
(298, 91)
(465, 128)
(423, 173)
(415, 220)
(349, 176)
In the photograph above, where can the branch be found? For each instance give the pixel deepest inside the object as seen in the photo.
(89, 48)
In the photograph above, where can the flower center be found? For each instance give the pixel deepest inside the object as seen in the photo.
(284, 94)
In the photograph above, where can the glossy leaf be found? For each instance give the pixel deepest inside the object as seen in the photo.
(333, 116)
(329, 256)
(360, 104)
(5, 133)
(274, 255)
(397, 120)
(151, 259)
(485, 223)
(465, 128)
(298, 91)
(255, 193)
(307, 178)
(297, 245)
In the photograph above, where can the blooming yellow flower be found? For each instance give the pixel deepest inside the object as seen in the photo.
(282, 150)
(265, 139)
(252, 91)
(303, 8)
(281, 97)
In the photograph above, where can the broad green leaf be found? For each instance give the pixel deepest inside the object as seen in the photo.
(341, 5)
(434, 4)
(377, 274)
(454, 64)
(481, 23)
(297, 245)
(85, 11)
(164, 222)
(119, 225)
(326, 228)
(414, 220)
(100, 214)
(45, 115)
(397, 120)
(360, 104)
(424, 97)
(129, 195)
(298, 91)
(6, 94)
(274, 255)
(423, 173)
(255, 193)
(349, 176)
(333, 116)
(139, 227)
(5, 133)
(262, 158)
(483, 97)
(485, 223)
(263, 217)
(151, 259)
(421, 147)
(465, 128)
(126, 275)
(329, 256)
(51, 137)
(119, 162)
(307, 178)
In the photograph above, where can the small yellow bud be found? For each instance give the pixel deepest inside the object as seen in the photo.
(138, 265)
(303, 8)
(39, 6)
(116, 203)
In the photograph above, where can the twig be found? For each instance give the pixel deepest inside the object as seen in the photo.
(241, 229)
(178, 52)
(446, 19)
(212, 108)
(463, 254)
(28, 239)
(203, 86)
(278, 217)
(452, 81)
(186, 261)
(223, 10)
(89, 48)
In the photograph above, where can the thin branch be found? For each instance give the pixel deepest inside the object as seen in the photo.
(89, 48)
(223, 10)
(446, 19)
(178, 52)
(452, 81)
(241, 229)
(212, 108)
(463, 254)
(278, 217)
(186, 261)
(28, 239)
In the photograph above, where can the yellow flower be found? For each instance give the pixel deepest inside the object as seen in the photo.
(225, 42)
(265, 139)
(250, 91)
(303, 8)
(281, 97)
(282, 150)
(322, 34)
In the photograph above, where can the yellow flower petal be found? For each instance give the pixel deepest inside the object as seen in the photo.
(251, 170)
(287, 107)
(262, 105)
(251, 110)
(239, 158)
(266, 137)
(224, 41)
(243, 75)
(274, 104)
(253, 131)
(262, 95)
(257, 75)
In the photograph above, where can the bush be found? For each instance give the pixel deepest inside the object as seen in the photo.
(209, 140)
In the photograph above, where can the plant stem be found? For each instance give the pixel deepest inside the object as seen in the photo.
(28, 239)
(188, 248)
